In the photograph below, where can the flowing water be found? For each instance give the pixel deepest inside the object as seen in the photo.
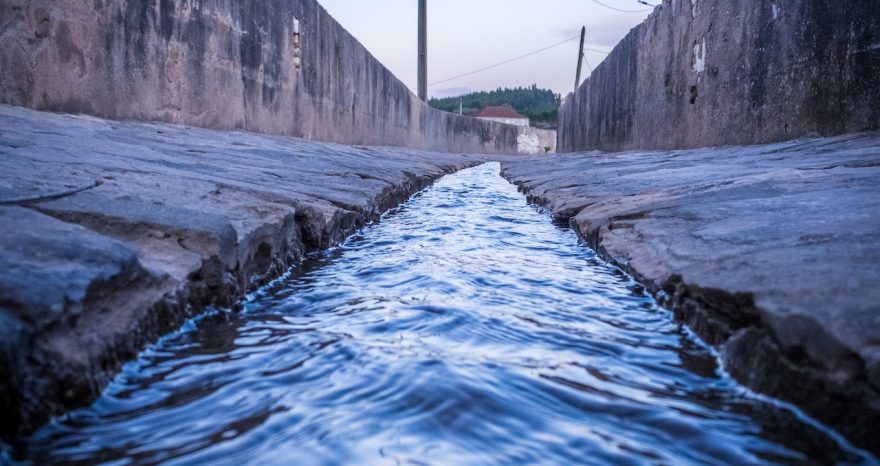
(463, 328)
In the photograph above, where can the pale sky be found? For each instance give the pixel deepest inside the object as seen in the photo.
(465, 35)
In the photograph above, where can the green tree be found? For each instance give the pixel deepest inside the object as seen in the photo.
(540, 105)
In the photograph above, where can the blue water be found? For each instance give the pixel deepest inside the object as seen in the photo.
(465, 328)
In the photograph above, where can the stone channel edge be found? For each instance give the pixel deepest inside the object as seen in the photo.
(749, 352)
(61, 389)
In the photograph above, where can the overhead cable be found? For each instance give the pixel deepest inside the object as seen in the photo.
(620, 9)
(513, 60)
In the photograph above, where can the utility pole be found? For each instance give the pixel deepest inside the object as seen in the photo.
(423, 50)
(577, 79)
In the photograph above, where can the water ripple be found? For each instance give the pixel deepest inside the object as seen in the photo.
(464, 329)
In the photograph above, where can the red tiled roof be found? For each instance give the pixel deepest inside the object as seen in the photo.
(501, 111)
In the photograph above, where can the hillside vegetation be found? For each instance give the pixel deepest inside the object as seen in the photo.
(540, 105)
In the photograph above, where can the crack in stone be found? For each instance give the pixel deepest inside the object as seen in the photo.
(23, 201)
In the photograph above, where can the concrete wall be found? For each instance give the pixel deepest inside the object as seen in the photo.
(701, 73)
(508, 121)
(221, 64)
(536, 141)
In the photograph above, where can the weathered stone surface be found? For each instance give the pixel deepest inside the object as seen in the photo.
(67, 295)
(113, 233)
(536, 141)
(703, 73)
(273, 66)
(769, 252)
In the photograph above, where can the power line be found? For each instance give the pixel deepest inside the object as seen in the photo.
(621, 10)
(545, 48)
(588, 65)
(507, 61)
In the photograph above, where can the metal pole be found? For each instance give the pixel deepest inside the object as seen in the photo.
(577, 79)
(423, 50)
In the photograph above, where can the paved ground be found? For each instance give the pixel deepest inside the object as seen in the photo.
(770, 252)
(113, 233)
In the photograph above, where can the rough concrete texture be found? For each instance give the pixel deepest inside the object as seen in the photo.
(113, 233)
(769, 252)
(703, 73)
(273, 66)
(536, 141)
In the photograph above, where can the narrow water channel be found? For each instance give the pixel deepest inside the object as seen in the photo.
(463, 328)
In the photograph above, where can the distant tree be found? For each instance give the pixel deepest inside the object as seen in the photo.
(540, 105)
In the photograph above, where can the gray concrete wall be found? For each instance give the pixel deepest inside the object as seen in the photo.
(702, 73)
(220, 64)
(536, 141)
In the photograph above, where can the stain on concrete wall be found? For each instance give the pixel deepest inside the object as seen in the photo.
(273, 66)
(536, 141)
(715, 72)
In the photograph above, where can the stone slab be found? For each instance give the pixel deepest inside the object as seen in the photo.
(781, 238)
(114, 232)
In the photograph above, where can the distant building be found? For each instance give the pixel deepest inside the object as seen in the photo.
(502, 114)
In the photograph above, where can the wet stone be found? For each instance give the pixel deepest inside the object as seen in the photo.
(115, 232)
(465, 328)
(782, 237)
